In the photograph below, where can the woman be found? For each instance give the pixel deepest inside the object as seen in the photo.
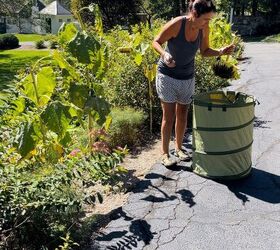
(175, 77)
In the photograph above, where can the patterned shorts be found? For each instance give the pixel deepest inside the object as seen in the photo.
(172, 90)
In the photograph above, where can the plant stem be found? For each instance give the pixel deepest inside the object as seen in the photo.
(34, 83)
(90, 125)
(80, 18)
(151, 106)
(90, 117)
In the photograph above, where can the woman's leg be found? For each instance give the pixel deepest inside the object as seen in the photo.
(168, 115)
(181, 124)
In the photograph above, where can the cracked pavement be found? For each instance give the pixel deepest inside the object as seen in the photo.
(176, 209)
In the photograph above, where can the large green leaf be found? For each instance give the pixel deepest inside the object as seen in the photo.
(63, 64)
(57, 118)
(44, 86)
(66, 33)
(99, 63)
(108, 122)
(83, 47)
(143, 48)
(78, 94)
(26, 139)
(28, 88)
(150, 72)
(138, 59)
(66, 140)
(137, 39)
(100, 106)
(18, 105)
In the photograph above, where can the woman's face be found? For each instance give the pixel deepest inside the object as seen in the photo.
(204, 19)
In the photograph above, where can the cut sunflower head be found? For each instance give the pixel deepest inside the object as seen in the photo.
(225, 69)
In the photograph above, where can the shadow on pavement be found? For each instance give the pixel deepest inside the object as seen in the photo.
(139, 230)
(185, 195)
(260, 185)
(258, 123)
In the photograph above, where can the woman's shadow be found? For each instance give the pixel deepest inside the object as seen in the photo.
(259, 184)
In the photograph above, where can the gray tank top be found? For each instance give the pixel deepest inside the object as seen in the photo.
(183, 52)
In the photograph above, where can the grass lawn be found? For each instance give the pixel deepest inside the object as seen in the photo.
(13, 60)
(273, 38)
(249, 39)
(29, 37)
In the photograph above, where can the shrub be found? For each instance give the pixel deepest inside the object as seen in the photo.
(35, 208)
(52, 41)
(125, 126)
(8, 41)
(40, 44)
(39, 203)
(50, 37)
(53, 44)
(126, 85)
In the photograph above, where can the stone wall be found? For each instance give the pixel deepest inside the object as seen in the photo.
(256, 25)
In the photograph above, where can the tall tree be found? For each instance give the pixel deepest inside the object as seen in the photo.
(114, 12)
(183, 6)
(254, 7)
(165, 9)
(275, 7)
(251, 7)
(11, 8)
(16, 10)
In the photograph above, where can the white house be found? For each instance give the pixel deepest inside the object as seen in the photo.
(35, 17)
(53, 16)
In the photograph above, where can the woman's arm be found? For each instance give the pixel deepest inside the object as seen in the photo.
(206, 51)
(169, 31)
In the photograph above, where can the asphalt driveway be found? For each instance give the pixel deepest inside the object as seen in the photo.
(180, 210)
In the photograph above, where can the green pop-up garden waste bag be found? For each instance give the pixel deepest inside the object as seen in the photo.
(223, 134)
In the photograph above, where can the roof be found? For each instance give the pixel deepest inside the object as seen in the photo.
(55, 8)
(40, 5)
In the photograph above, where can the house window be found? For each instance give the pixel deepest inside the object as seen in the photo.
(11, 20)
(69, 20)
(2, 19)
(60, 20)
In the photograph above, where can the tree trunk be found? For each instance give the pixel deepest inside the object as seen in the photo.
(243, 9)
(176, 8)
(236, 6)
(183, 6)
(254, 7)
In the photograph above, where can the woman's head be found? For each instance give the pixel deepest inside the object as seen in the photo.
(200, 7)
(202, 11)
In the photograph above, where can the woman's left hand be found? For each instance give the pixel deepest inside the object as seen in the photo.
(228, 50)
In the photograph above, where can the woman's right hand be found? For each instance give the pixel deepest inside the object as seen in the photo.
(168, 60)
(228, 50)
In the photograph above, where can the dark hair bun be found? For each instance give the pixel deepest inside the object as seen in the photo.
(201, 6)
